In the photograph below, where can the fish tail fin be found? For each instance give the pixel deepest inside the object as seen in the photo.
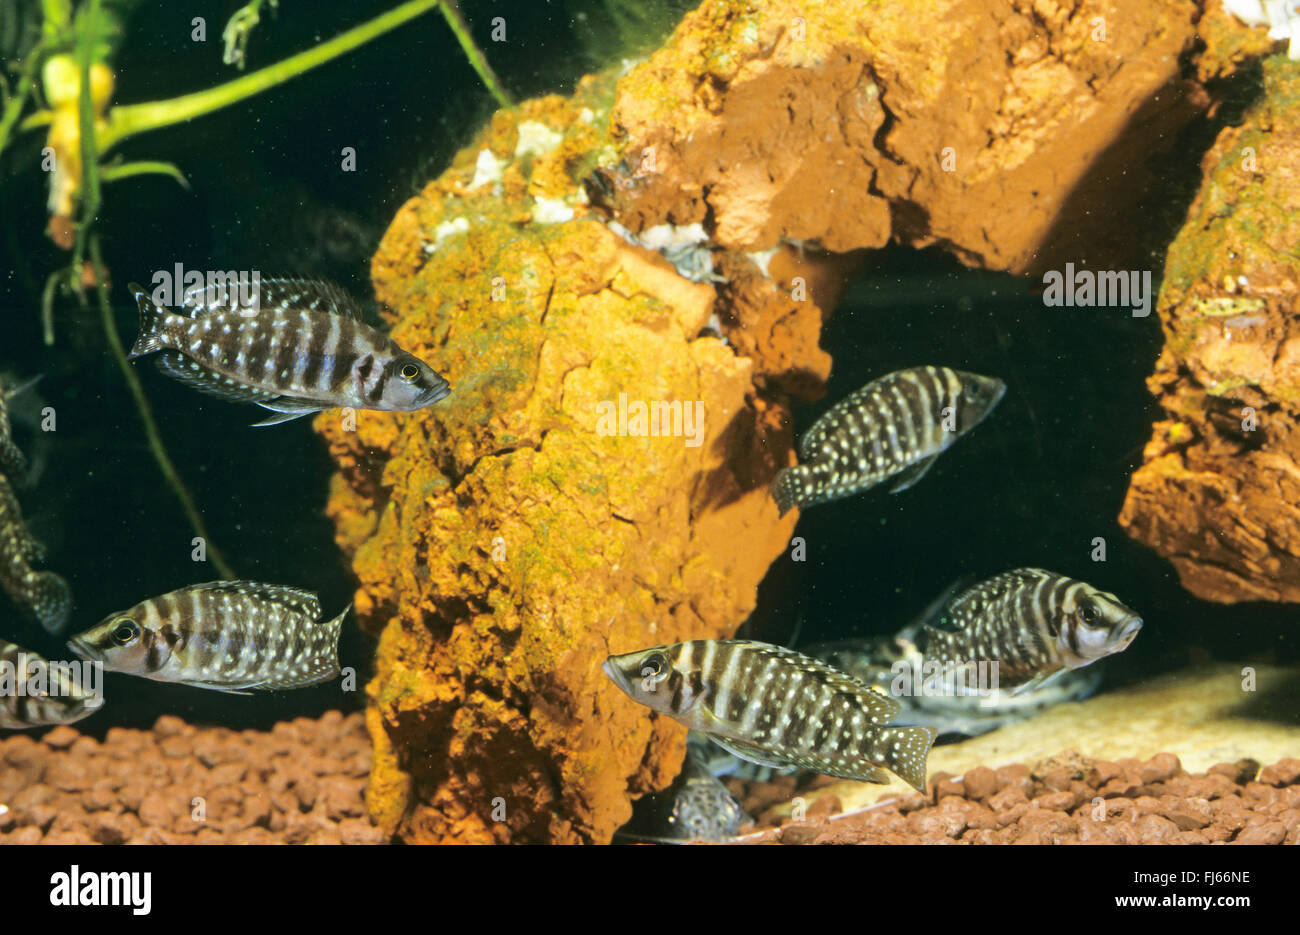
(785, 489)
(333, 629)
(51, 601)
(150, 318)
(325, 660)
(907, 749)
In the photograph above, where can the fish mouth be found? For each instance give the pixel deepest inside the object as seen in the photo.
(434, 393)
(1127, 634)
(80, 649)
(615, 675)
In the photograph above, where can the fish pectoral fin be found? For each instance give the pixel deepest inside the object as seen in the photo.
(283, 417)
(288, 408)
(1042, 680)
(224, 689)
(747, 751)
(913, 473)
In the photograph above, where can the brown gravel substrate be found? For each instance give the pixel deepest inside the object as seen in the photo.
(1142, 802)
(299, 783)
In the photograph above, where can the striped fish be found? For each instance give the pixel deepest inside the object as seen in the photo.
(45, 592)
(776, 707)
(293, 346)
(225, 635)
(64, 693)
(896, 425)
(880, 662)
(1035, 624)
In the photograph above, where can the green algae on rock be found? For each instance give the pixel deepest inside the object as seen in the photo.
(503, 543)
(1217, 492)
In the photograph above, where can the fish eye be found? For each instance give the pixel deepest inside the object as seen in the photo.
(126, 631)
(655, 665)
(1088, 612)
(972, 389)
(409, 372)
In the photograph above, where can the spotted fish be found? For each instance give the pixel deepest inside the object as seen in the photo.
(696, 807)
(895, 666)
(12, 462)
(45, 592)
(225, 635)
(293, 346)
(64, 692)
(776, 707)
(894, 426)
(1036, 625)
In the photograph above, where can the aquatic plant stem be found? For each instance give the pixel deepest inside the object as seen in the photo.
(160, 455)
(87, 239)
(476, 58)
(22, 90)
(130, 119)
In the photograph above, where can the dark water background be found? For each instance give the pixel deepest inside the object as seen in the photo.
(1032, 486)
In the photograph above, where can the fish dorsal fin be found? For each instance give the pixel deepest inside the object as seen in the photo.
(179, 367)
(934, 615)
(977, 599)
(303, 601)
(312, 295)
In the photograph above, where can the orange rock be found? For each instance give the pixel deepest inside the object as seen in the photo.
(991, 128)
(504, 544)
(1217, 493)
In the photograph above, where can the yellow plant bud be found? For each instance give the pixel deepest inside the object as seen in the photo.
(101, 86)
(62, 80)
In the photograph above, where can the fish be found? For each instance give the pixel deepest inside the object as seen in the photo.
(895, 426)
(696, 807)
(1036, 625)
(776, 707)
(294, 346)
(44, 592)
(230, 636)
(64, 691)
(894, 665)
(13, 464)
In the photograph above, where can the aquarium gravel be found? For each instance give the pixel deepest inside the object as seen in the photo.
(302, 782)
(1065, 799)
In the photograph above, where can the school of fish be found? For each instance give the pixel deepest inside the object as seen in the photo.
(298, 346)
(857, 708)
(292, 346)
